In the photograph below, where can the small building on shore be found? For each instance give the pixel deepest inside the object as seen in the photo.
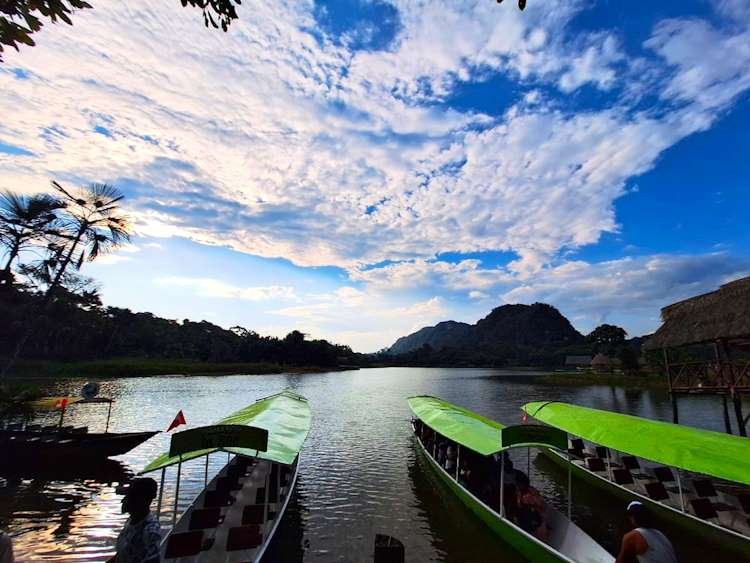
(719, 320)
(601, 363)
(578, 362)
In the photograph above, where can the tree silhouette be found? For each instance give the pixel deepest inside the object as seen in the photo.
(20, 19)
(23, 221)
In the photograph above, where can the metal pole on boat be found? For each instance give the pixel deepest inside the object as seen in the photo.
(458, 461)
(268, 484)
(570, 486)
(205, 476)
(679, 488)
(609, 465)
(161, 492)
(177, 491)
(109, 414)
(502, 484)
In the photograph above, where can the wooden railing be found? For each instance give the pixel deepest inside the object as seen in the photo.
(709, 377)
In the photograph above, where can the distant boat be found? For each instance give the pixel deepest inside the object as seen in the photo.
(483, 437)
(633, 457)
(23, 443)
(238, 511)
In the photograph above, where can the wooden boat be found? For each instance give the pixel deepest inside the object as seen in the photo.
(238, 511)
(25, 443)
(566, 541)
(633, 458)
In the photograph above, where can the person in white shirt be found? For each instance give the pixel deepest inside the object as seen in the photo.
(140, 538)
(644, 543)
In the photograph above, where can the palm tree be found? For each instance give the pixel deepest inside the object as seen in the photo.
(92, 224)
(24, 220)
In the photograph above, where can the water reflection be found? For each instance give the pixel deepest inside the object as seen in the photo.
(62, 511)
(360, 474)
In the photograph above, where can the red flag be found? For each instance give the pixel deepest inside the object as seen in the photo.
(62, 404)
(525, 418)
(179, 419)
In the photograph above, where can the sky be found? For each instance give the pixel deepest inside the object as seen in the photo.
(358, 169)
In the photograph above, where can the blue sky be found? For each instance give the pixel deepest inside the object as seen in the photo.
(359, 169)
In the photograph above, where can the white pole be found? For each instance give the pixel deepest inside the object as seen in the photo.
(205, 476)
(268, 484)
(458, 460)
(502, 484)
(177, 491)
(161, 492)
(679, 487)
(609, 465)
(570, 487)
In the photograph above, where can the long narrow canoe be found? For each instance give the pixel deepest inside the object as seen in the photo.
(724, 524)
(566, 542)
(239, 510)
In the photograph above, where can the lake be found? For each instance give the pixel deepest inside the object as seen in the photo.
(360, 472)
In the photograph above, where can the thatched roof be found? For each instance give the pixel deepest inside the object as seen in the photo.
(723, 314)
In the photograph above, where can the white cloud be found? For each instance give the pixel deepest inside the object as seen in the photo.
(210, 287)
(276, 143)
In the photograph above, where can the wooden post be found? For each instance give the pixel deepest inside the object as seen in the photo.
(672, 395)
(736, 397)
(725, 408)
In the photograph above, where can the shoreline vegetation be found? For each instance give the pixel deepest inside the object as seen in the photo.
(641, 381)
(144, 367)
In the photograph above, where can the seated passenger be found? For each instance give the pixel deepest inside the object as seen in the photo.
(530, 507)
(465, 475)
(450, 459)
(441, 449)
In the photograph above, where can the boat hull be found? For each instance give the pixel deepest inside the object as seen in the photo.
(721, 539)
(26, 446)
(527, 546)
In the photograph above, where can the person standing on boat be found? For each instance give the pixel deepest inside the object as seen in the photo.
(644, 543)
(140, 538)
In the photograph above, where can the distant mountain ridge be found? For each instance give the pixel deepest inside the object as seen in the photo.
(446, 333)
(538, 326)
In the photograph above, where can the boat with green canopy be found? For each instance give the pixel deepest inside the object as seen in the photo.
(480, 442)
(238, 511)
(692, 478)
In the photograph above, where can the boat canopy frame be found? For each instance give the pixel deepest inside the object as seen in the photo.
(696, 450)
(477, 433)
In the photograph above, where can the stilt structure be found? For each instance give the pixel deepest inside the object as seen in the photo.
(722, 319)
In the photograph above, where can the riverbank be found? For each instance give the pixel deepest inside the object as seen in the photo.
(651, 381)
(144, 367)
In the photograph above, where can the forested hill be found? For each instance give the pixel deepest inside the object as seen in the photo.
(76, 327)
(511, 334)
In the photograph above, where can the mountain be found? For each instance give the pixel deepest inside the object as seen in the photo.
(447, 333)
(506, 328)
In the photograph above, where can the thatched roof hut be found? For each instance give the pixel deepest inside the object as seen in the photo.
(723, 314)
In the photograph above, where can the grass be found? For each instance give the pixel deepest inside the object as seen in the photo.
(650, 381)
(139, 367)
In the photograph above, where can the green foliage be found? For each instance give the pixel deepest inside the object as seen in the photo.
(19, 19)
(14, 401)
(629, 360)
(607, 338)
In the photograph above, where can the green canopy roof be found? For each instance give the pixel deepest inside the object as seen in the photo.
(464, 427)
(286, 416)
(702, 451)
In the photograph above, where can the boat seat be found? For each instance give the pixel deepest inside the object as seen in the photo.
(656, 491)
(704, 488)
(744, 499)
(253, 514)
(184, 544)
(217, 498)
(630, 462)
(203, 518)
(575, 454)
(576, 444)
(601, 451)
(664, 474)
(260, 495)
(703, 508)
(244, 537)
(595, 464)
(244, 463)
(33, 427)
(622, 477)
(227, 484)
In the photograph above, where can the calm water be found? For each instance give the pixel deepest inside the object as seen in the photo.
(360, 473)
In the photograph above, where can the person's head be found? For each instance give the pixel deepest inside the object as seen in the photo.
(507, 462)
(138, 497)
(639, 515)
